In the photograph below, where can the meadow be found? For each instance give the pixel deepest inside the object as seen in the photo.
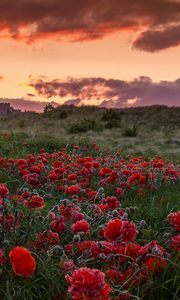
(89, 204)
(154, 129)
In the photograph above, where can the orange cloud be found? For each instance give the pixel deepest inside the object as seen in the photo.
(81, 20)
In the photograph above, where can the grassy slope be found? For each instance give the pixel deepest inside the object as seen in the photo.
(158, 129)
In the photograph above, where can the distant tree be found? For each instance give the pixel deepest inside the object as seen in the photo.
(48, 107)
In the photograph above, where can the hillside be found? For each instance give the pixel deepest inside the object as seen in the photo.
(154, 129)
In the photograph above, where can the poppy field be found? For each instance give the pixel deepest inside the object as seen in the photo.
(78, 223)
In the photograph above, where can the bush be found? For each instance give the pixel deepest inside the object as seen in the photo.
(112, 119)
(112, 124)
(110, 115)
(82, 126)
(130, 132)
(48, 107)
(62, 114)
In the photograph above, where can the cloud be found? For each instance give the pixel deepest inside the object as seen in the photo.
(30, 95)
(141, 91)
(74, 102)
(1, 77)
(80, 20)
(154, 40)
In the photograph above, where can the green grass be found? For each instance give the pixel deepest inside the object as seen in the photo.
(158, 127)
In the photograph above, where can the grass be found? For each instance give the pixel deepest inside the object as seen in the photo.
(158, 127)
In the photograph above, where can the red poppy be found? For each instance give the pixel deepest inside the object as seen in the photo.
(4, 191)
(47, 238)
(35, 202)
(81, 226)
(23, 263)
(72, 177)
(174, 219)
(88, 284)
(154, 264)
(57, 225)
(175, 243)
(73, 189)
(122, 230)
(105, 171)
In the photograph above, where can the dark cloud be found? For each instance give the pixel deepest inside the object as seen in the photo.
(74, 102)
(154, 40)
(80, 20)
(30, 95)
(1, 77)
(112, 92)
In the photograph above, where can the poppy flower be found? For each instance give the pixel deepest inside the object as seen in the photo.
(154, 264)
(105, 171)
(81, 226)
(35, 202)
(88, 284)
(122, 230)
(174, 219)
(45, 239)
(4, 191)
(22, 261)
(73, 189)
(175, 243)
(72, 177)
(57, 225)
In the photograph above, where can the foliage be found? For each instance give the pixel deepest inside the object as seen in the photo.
(48, 107)
(111, 114)
(84, 125)
(112, 118)
(130, 132)
(158, 128)
(62, 114)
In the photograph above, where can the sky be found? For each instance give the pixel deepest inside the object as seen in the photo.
(108, 53)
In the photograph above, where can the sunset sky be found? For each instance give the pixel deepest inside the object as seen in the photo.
(111, 53)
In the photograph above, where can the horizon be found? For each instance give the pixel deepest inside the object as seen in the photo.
(24, 105)
(106, 53)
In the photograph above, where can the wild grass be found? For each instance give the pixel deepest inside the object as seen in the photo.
(157, 128)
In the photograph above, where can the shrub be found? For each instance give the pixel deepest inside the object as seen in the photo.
(112, 119)
(112, 124)
(82, 126)
(48, 107)
(130, 132)
(110, 115)
(62, 114)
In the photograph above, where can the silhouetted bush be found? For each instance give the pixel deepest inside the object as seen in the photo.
(112, 119)
(62, 114)
(82, 126)
(111, 114)
(48, 107)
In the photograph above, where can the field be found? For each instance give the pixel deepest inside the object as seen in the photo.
(157, 129)
(89, 204)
